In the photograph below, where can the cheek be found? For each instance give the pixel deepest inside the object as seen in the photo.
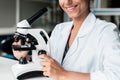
(82, 1)
(61, 2)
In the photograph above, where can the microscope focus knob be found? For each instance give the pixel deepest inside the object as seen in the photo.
(41, 52)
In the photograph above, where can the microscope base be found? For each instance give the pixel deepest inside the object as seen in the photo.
(25, 71)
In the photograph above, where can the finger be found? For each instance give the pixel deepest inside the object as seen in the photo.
(14, 43)
(45, 57)
(44, 68)
(45, 73)
(44, 63)
(17, 43)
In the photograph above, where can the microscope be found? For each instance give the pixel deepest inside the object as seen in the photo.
(37, 44)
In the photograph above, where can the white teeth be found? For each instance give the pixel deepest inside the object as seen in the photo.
(70, 8)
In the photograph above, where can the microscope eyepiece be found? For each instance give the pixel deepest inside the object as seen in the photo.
(37, 15)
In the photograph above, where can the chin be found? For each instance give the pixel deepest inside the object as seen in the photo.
(72, 16)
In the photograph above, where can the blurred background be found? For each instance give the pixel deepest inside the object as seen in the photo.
(13, 11)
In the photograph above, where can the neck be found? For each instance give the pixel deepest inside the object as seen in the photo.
(78, 21)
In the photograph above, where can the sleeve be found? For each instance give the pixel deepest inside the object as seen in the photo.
(111, 55)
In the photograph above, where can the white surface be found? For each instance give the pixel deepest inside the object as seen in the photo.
(5, 69)
(6, 72)
(7, 30)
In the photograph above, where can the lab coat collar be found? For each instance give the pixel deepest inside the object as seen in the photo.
(67, 28)
(87, 25)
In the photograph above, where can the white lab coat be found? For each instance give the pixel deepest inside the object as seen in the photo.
(95, 50)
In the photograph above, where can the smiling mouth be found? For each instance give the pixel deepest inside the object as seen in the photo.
(71, 8)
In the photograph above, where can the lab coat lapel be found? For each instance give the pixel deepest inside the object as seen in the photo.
(63, 39)
(78, 42)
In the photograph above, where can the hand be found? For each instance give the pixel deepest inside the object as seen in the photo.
(17, 53)
(51, 68)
